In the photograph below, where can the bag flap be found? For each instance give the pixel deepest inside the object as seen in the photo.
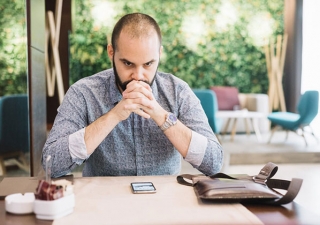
(233, 189)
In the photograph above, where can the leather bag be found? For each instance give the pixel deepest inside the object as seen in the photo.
(243, 188)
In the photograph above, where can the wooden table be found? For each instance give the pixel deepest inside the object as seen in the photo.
(232, 116)
(288, 214)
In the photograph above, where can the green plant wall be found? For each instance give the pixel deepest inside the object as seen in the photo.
(13, 50)
(206, 42)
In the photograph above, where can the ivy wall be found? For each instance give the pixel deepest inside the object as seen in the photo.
(13, 47)
(206, 42)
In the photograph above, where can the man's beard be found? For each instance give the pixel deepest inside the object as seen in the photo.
(123, 85)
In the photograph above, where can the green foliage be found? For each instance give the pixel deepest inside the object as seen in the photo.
(206, 42)
(13, 51)
(88, 44)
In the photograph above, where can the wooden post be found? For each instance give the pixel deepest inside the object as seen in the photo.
(275, 58)
(53, 66)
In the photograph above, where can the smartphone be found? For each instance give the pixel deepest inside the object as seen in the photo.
(143, 187)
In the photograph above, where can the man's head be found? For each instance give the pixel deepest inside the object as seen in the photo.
(135, 49)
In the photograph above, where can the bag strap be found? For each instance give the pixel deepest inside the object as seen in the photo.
(181, 179)
(292, 187)
(264, 177)
(267, 172)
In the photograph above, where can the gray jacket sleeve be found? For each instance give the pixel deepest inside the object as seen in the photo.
(70, 118)
(192, 115)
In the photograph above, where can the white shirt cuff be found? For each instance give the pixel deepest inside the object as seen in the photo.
(77, 146)
(197, 149)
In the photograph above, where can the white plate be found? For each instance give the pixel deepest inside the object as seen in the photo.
(19, 203)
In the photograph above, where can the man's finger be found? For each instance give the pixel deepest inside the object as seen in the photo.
(138, 93)
(139, 86)
(142, 113)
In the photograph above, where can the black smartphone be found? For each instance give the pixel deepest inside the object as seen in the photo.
(143, 187)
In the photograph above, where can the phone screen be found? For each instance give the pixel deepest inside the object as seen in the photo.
(143, 187)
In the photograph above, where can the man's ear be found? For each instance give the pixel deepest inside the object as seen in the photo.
(110, 51)
(161, 49)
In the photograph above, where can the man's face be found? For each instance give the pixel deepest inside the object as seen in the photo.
(135, 59)
(123, 84)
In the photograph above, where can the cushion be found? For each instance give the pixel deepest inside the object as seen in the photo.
(227, 97)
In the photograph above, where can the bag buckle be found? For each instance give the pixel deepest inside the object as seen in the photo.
(259, 180)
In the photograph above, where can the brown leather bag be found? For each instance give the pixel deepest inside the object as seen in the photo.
(242, 188)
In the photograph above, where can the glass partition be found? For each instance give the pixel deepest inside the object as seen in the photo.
(311, 53)
(14, 110)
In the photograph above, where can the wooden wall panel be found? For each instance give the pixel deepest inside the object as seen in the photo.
(293, 64)
(53, 102)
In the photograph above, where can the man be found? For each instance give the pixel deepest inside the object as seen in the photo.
(132, 119)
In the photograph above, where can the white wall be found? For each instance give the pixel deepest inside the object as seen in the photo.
(311, 52)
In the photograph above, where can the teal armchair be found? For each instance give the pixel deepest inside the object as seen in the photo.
(14, 130)
(209, 104)
(307, 110)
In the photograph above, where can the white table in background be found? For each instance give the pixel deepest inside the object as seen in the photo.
(251, 119)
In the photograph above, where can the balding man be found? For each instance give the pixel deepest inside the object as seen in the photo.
(132, 119)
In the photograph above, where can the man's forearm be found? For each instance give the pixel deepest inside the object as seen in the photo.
(97, 131)
(180, 136)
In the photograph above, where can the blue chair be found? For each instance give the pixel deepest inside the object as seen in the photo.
(209, 104)
(307, 110)
(14, 130)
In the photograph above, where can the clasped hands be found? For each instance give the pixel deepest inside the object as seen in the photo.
(138, 98)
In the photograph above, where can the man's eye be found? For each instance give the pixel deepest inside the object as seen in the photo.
(127, 63)
(148, 64)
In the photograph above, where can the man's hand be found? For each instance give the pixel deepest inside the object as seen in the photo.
(138, 98)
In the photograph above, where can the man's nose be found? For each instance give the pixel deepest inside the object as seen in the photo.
(138, 73)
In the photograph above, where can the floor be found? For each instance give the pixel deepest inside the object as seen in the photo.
(247, 155)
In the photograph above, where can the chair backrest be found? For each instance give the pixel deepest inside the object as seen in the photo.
(308, 106)
(227, 97)
(14, 123)
(209, 104)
